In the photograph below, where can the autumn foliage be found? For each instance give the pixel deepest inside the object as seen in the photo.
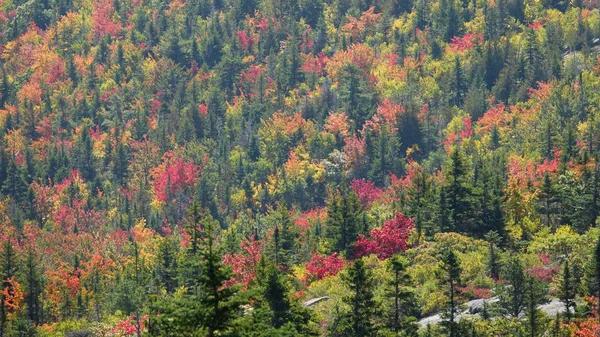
(388, 240)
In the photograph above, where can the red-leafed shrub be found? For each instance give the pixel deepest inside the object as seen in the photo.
(466, 42)
(244, 264)
(366, 191)
(129, 326)
(320, 266)
(473, 292)
(545, 274)
(387, 240)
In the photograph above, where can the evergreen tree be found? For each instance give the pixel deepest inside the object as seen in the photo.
(511, 292)
(344, 222)
(404, 308)
(34, 288)
(493, 263)
(359, 320)
(568, 286)
(166, 268)
(535, 294)
(450, 278)
(285, 239)
(548, 200)
(459, 193)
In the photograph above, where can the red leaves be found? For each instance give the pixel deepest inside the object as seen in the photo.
(173, 176)
(467, 42)
(101, 20)
(545, 274)
(253, 74)
(468, 131)
(128, 327)
(320, 267)
(494, 117)
(536, 25)
(386, 117)
(203, 109)
(314, 64)
(387, 240)
(368, 20)
(549, 166)
(366, 191)
(246, 41)
(590, 327)
(244, 264)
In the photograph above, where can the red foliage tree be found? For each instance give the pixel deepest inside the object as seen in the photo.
(366, 191)
(102, 21)
(244, 264)
(173, 175)
(466, 42)
(320, 266)
(387, 240)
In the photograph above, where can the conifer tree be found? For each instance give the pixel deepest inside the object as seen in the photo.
(344, 222)
(511, 292)
(359, 320)
(450, 278)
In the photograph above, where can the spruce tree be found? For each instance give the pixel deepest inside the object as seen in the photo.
(359, 320)
(344, 222)
(567, 285)
(450, 278)
(511, 292)
(397, 290)
(535, 294)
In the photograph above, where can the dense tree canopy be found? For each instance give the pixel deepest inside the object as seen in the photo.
(206, 167)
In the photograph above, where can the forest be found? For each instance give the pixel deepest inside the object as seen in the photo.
(267, 168)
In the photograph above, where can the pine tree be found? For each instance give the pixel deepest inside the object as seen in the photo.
(344, 222)
(548, 200)
(459, 193)
(450, 277)
(511, 292)
(166, 267)
(535, 294)
(34, 288)
(121, 164)
(355, 96)
(219, 302)
(568, 292)
(190, 266)
(402, 297)
(459, 84)
(359, 320)
(493, 263)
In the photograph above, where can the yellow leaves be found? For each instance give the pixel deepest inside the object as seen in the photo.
(235, 111)
(563, 242)
(15, 142)
(238, 198)
(272, 183)
(299, 166)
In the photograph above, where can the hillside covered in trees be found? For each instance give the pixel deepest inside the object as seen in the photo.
(299, 167)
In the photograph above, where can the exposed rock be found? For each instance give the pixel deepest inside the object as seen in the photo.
(312, 302)
(474, 307)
